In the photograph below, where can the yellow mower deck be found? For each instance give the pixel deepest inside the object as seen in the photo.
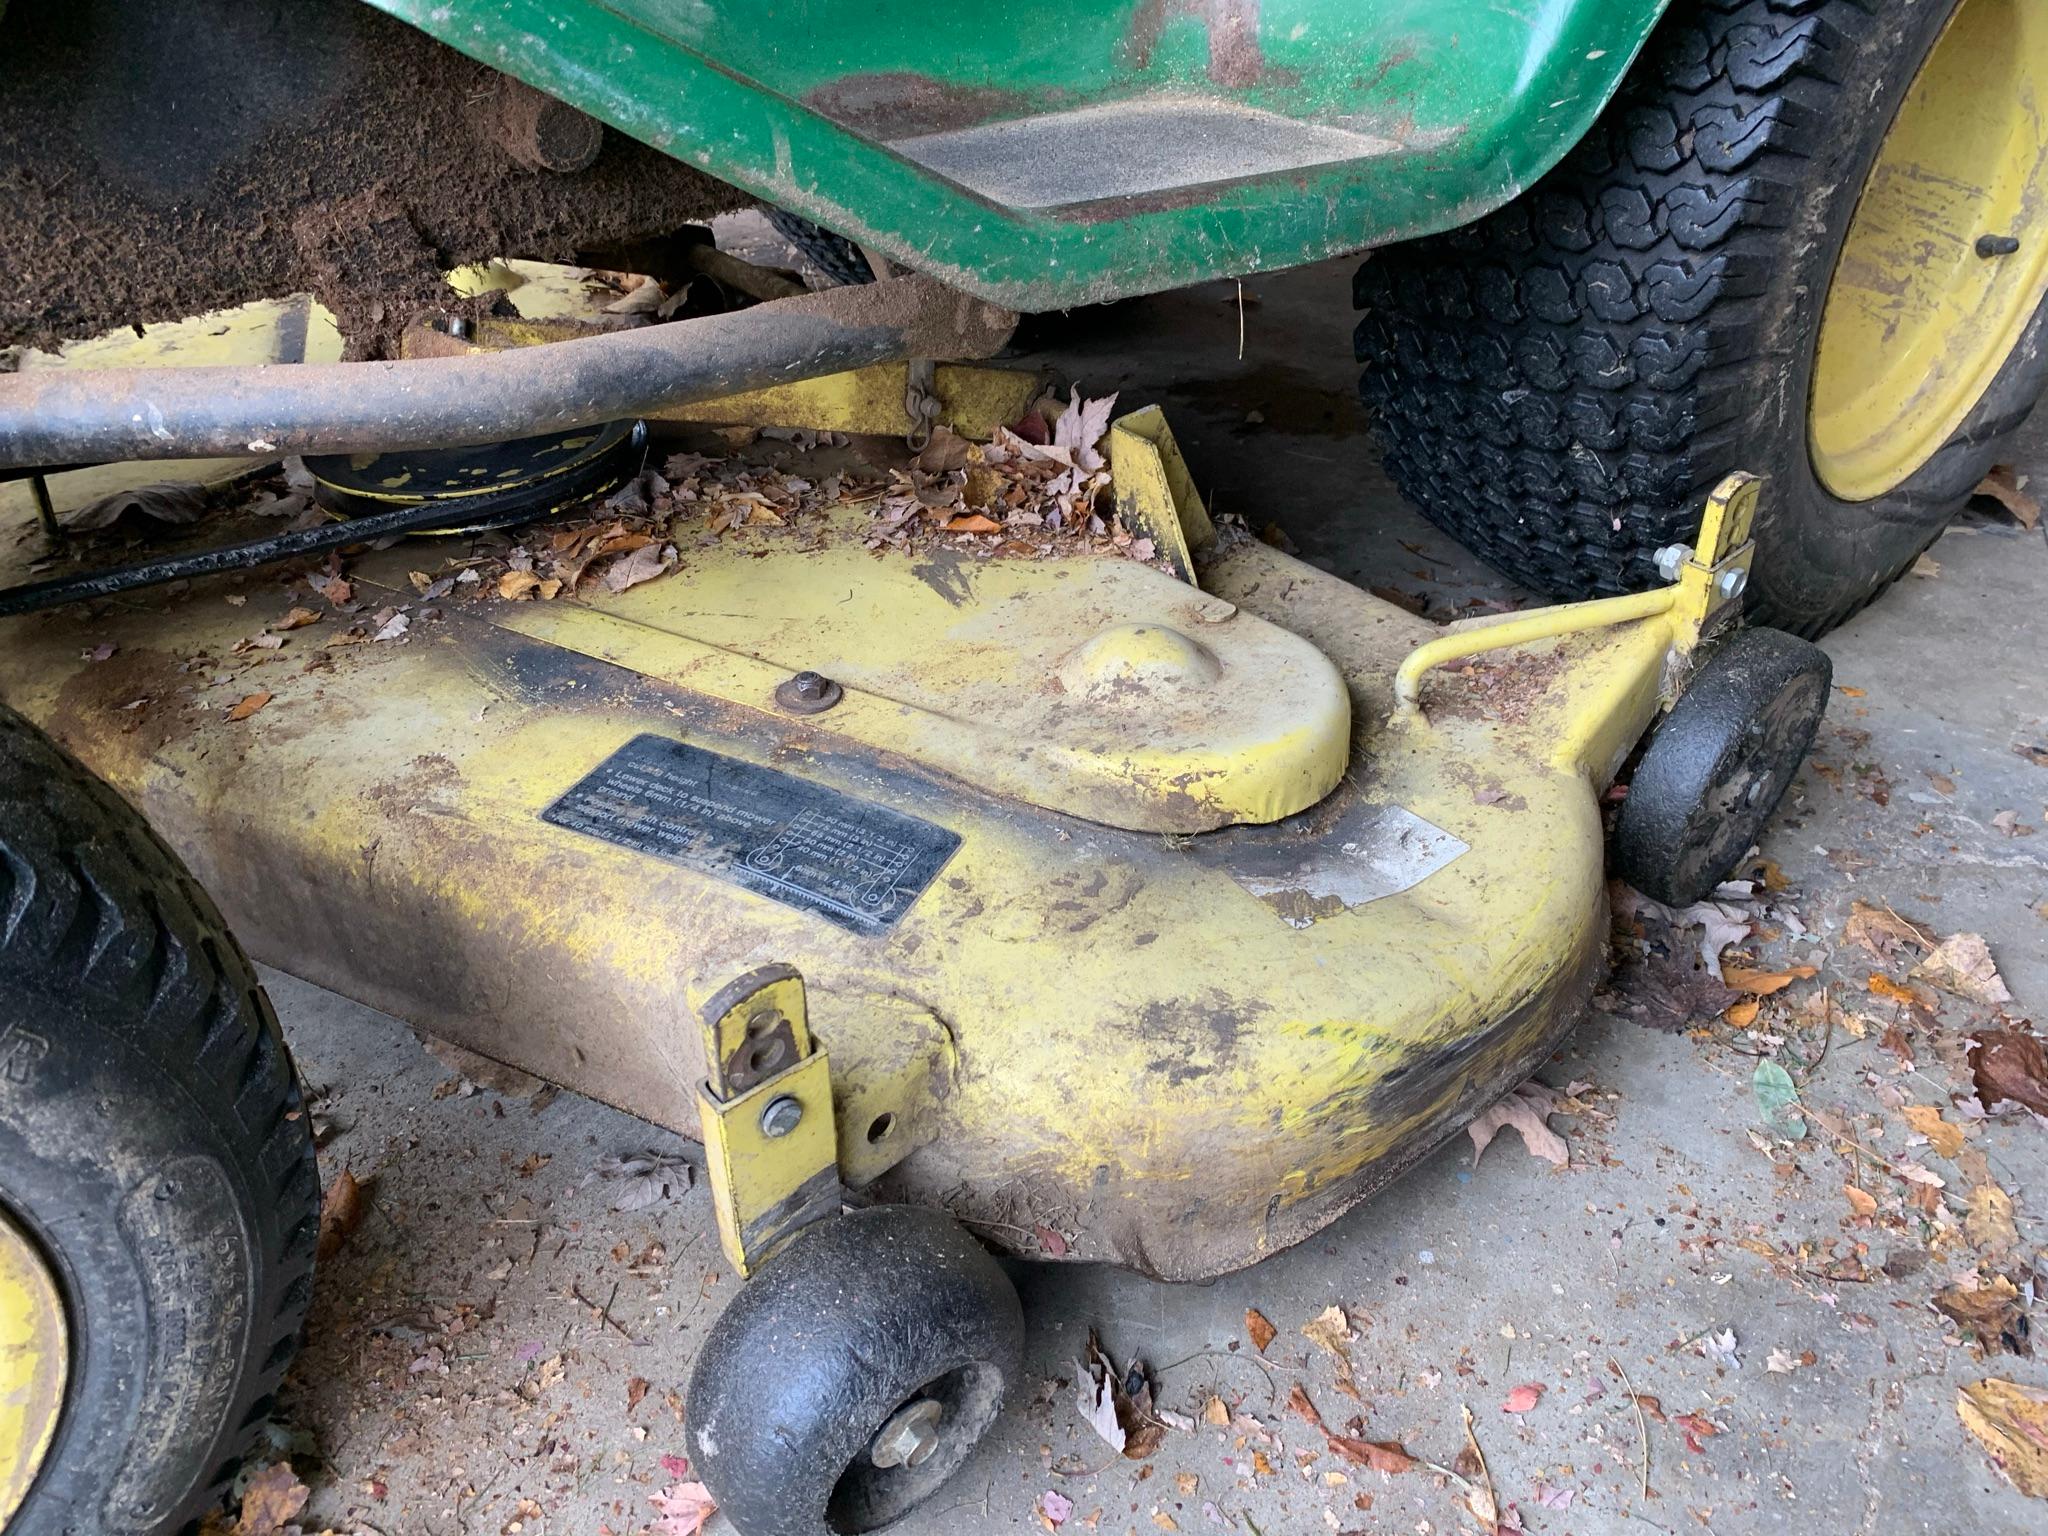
(1127, 911)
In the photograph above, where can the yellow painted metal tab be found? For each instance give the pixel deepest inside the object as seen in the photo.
(766, 1181)
(34, 1360)
(754, 1027)
(1155, 495)
(972, 401)
(1021, 676)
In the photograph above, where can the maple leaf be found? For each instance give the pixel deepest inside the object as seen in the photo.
(1080, 428)
(683, 1509)
(1527, 1109)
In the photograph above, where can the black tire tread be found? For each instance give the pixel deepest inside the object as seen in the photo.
(1559, 383)
(833, 255)
(92, 899)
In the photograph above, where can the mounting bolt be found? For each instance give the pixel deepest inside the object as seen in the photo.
(909, 1438)
(1730, 584)
(1670, 560)
(808, 693)
(1996, 245)
(782, 1116)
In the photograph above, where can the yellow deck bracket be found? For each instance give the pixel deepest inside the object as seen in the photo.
(1706, 577)
(1155, 495)
(972, 401)
(770, 1145)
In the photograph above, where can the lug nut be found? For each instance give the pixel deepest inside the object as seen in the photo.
(1670, 560)
(783, 1115)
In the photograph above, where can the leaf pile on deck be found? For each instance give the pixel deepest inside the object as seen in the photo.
(1038, 490)
(1031, 491)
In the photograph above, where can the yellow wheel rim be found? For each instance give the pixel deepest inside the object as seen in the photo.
(1926, 300)
(33, 1359)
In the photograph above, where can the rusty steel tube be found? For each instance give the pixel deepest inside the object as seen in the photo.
(102, 415)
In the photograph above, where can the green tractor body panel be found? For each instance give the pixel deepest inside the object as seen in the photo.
(1045, 155)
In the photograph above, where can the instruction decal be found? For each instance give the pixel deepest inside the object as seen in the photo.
(856, 864)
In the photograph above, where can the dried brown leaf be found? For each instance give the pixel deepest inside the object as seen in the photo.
(2011, 1422)
(271, 1500)
(341, 1211)
(1946, 1139)
(1992, 1312)
(1527, 1110)
(2010, 1067)
(2007, 487)
(1884, 933)
(1987, 1223)
(1258, 1330)
(1961, 964)
(248, 705)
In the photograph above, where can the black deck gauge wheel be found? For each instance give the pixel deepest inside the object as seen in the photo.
(854, 1374)
(1719, 763)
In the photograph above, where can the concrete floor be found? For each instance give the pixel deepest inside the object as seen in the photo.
(496, 1349)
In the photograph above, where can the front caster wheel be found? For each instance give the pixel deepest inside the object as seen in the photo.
(1719, 763)
(854, 1374)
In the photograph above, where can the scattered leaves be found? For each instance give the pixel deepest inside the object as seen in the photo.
(1777, 1099)
(1330, 1330)
(1696, 1428)
(1925, 1119)
(2007, 487)
(647, 1179)
(1961, 964)
(2011, 1422)
(1993, 1313)
(1764, 983)
(271, 1500)
(341, 1212)
(1379, 1455)
(1258, 1330)
(683, 1509)
(1118, 1407)
(1054, 1509)
(1987, 1222)
(1884, 933)
(1527, 1110)
(2010, 1067)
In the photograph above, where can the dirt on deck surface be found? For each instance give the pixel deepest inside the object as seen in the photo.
(189, 155)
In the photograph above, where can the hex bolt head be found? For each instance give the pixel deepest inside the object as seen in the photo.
(782, 1116)
(910, 1438)
(1730, 584)
(1670, 560)
(807, 693)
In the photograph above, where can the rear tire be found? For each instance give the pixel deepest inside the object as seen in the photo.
(152, 1146)
(835, 256)
(1559, 384)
